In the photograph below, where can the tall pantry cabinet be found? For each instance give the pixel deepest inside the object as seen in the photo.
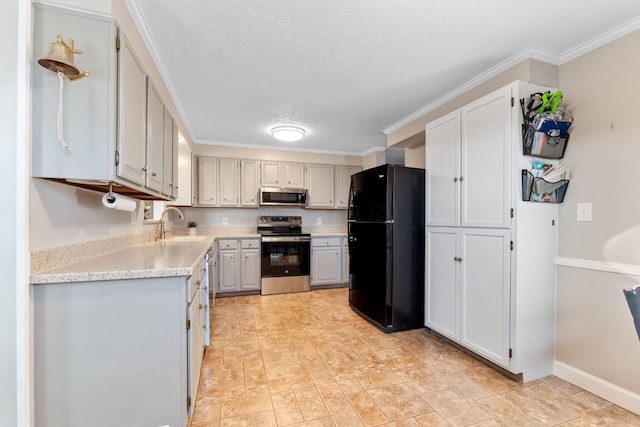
(490, 273)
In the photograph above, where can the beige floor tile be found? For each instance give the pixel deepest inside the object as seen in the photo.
(305, 359)
(311, 404)
(247, 405)
(334, 399)
(262, 419)
(347, 419)
(457, 408)
(398, 401)
(367, 409)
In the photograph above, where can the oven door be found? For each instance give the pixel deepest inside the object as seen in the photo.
(285, 256)
(286, 263)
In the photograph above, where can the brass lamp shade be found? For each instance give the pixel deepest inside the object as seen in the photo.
(60, 59)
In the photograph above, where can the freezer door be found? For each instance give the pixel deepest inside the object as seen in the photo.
(370, 195)
(370, 271)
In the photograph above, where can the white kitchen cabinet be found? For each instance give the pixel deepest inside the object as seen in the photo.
(105, 116)
(326, 261)
(250, 182)
(490, 273)
(467, 288)
(239, 267)
(207, 181)
(343, 183)
(468, 159)
(345, 260)
(229, 179)
(282, 174)
(170, 162)
(185, 177)
(154, 169)
(125, 352)
(320, 186)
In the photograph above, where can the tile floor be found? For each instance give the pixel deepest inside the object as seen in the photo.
(307, 360)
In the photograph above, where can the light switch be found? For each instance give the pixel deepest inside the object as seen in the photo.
(225, 221)
(584, 212)
(319, 221)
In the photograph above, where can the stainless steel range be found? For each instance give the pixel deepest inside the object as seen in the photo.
(286, 255)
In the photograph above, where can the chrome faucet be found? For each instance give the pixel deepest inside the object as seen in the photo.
(161, 224)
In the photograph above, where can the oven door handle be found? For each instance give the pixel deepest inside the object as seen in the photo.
(286, 239)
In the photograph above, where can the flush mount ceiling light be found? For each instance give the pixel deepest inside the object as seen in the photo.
(288, 133)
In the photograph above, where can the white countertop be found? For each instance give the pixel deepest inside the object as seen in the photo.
(178, 256)
(329, 234)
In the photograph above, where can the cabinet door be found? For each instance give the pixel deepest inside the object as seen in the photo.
(133, 116)
(184, 178)
(294, 175)
(167, 162)
(228, 271)
(174, 160)
(343, 182)
(443, 171)
(229, 177)
(442, 282)
(207, 181)
(345, 262)
(485, 161)
(155, 139)
(485, 293)
(320, 186)
(250, 269)
(326, 265)
(270, 174)
(249, 183)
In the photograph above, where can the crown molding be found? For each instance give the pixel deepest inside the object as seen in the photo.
(149, 41)
(528, 53)
(294, 149)
(601, 40)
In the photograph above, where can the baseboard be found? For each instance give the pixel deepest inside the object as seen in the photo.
(613, 393)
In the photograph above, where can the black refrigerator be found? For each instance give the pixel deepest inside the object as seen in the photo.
(386, 246)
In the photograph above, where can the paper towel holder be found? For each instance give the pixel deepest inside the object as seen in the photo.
(110, 196)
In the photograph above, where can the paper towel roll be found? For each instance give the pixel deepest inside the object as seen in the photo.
(120, 202)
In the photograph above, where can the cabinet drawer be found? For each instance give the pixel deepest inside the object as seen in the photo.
(331, 241)
(228, 244)
(250, 244)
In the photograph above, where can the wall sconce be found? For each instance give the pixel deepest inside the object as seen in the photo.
(59, 59)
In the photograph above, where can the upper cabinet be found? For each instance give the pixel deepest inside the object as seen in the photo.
(320, 185)
(249, 182)
(282, 174)
(343, 183)
(468, 155)
(228, 182)
(114, 121)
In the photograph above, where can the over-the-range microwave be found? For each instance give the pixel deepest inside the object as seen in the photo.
(272, 196)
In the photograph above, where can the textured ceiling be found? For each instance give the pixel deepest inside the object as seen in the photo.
(347, 70)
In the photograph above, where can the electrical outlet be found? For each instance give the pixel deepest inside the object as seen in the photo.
(319, 221)
(225, 221)
(584, 212)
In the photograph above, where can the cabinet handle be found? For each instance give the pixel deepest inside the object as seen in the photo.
(457, 259)
(200, 306)
(455, 179)
(461, 178)
(198, 283)
(144, 169)
(154, 174)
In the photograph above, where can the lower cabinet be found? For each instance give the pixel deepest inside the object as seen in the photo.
(328, 261)
(467, 288)
(239, 265)
(120, 352)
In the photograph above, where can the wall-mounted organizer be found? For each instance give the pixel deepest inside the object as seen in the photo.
(537, 189)
(545, 132)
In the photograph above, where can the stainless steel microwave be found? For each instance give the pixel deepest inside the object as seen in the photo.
(271, 196)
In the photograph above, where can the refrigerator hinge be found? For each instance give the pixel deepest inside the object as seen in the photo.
(512, 245)
(510, 353)
(188, 324)
(117, 44)
(117, 158)
(512, 102)
(511, 212)
(188, 402)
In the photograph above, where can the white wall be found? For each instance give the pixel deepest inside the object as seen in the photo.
(15, 403)
(595, 334)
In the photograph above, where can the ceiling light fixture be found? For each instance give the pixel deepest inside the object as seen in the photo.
(288, 133)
